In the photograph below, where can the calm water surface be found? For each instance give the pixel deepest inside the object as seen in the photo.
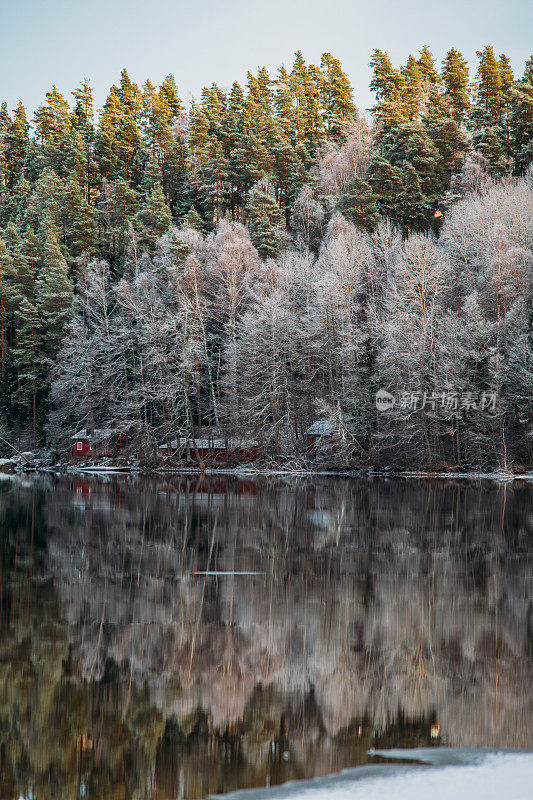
(336, 616)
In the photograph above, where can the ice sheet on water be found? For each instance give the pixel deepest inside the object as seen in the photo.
(439, 774)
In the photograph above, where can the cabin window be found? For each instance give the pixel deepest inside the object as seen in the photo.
(79, 445)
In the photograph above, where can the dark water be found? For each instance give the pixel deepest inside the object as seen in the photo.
(381, 614)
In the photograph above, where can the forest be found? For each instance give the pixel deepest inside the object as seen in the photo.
(271, 258)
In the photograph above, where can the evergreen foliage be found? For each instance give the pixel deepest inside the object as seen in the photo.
(146, 187)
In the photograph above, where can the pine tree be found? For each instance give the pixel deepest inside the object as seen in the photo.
(314, 122)
(289, 173)
(233, 117)
(389, 85)
(507, 82)
(284, 104)
(53, 120)
(455, 77)
(336, 98)
(16, 142)
(487, 106)
(82, 120)
(169, 92)
(129, 143)
(299, 85)
(83, 112)
(413, 88)
(106, 146)
(430, 79)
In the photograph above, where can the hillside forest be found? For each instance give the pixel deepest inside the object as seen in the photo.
(272, 257)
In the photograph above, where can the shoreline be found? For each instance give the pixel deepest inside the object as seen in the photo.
(501, 476)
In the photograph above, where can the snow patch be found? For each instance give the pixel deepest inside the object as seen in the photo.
(439, 774)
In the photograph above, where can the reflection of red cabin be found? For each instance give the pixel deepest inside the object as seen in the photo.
(81, 488)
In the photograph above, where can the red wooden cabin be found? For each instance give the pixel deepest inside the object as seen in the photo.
(101, 442)
(82, 444)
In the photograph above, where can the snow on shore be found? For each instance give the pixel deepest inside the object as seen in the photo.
(439, 774)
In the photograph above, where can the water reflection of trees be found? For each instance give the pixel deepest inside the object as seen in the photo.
(382, 611)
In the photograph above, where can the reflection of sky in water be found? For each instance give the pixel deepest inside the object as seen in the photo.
(337, 616)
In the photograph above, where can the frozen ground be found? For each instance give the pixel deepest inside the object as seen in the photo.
(440, 774)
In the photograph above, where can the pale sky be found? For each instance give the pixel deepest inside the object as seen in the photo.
(43, 42)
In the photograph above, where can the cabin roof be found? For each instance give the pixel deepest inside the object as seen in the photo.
(98, 435)
(320, 427)
(209, 444)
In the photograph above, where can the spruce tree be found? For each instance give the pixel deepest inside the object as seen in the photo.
(521, 119)
(5, 273)
(415, 209)
(27, 362)
(153, 219)
(410, 143)
(265, 220)
(83, 232)
(193, 220)
(53, 291)
(452, 145)
(490, 142)
(26, 356)
(359, 205)
(386, 184)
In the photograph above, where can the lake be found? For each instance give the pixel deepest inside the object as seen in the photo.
(180, 637)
